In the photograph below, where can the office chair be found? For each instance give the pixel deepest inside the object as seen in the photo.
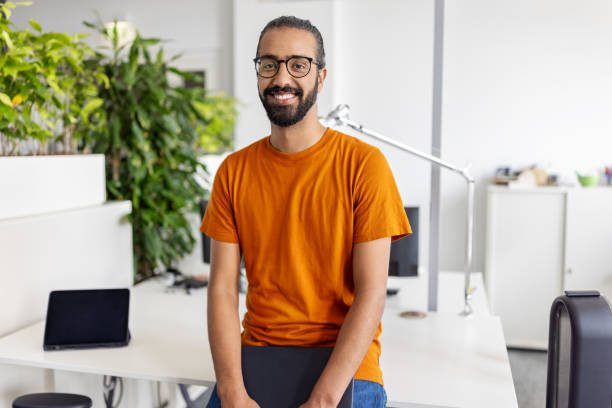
(52, 400)
(580, 352)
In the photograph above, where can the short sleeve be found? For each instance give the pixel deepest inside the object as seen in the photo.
(377, 207)
(219, 222)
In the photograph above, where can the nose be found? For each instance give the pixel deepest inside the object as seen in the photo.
(282, 77)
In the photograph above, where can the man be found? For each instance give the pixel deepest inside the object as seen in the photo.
(314, 212)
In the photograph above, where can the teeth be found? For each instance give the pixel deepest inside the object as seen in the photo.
(285, 96)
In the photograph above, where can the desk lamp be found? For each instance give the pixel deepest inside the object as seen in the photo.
(340, 116)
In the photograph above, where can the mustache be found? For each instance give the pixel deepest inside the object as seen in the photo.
(275, 89)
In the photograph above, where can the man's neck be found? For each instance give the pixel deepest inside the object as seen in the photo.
(298, 137)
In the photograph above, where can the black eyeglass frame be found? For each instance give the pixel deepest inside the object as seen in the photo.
(286, 61)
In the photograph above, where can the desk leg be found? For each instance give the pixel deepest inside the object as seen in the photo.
(49, 380)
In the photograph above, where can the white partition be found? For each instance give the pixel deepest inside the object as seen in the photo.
(44, 184)
(85, 248)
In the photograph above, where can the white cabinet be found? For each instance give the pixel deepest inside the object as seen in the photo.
(540, 242)
(588, 240)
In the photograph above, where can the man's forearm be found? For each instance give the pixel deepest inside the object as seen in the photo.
(224, 338)
(353, 341)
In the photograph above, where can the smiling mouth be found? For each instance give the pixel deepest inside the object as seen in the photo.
(283, 98)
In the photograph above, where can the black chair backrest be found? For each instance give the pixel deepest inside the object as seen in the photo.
(580, 352)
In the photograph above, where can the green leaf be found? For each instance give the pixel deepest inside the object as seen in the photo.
(152, 242)
(7, 40)
(170, 124)
(184, 74)
(35, 25)
(5, 99)
(203, 109)
(147, 42)
(12, 69)
(54, 85)
(143, 118)
(91, 106)
(91, 25)
(115, 193)
(6, 10)
(138, 134)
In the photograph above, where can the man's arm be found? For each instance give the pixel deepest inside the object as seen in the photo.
(224, 324)
(370, 269)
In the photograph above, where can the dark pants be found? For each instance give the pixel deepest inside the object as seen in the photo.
(366, 394)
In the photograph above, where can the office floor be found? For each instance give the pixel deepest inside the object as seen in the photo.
(529, 375)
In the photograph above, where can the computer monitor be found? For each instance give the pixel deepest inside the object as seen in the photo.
(205, 238)
(404, 258)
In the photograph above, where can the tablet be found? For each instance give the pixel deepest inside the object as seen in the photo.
(78, 319)
(283, 377)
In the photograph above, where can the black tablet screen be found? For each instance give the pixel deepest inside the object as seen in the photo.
(81, 317)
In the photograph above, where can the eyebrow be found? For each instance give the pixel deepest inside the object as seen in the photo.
(276, 57)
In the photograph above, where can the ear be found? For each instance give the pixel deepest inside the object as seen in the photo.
(322, 75)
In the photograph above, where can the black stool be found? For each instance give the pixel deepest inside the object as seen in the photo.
(52, 400)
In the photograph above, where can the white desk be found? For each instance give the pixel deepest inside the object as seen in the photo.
(442, 361)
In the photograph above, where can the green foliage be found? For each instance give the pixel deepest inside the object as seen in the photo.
(45, 94)
(152, 134)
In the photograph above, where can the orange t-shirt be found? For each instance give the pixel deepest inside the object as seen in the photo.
(296, 217)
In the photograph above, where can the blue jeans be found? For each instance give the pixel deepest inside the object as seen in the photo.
(366, 394)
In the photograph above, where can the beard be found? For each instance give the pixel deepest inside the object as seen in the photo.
(282, 115)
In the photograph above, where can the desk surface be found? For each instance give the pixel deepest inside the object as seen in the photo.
(443, 360)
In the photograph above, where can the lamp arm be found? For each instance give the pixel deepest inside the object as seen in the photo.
(339, 116)
(463, 172)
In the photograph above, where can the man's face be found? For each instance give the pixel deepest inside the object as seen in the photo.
(285, 98)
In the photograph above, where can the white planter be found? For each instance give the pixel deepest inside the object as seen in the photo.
(42, 184)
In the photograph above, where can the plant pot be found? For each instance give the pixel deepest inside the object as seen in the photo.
(31, 185)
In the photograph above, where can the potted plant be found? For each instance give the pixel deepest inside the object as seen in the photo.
(153, 134)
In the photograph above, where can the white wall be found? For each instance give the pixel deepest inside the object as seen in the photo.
(524, 82)
(386, 55)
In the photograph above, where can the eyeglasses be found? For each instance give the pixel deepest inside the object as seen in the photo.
(297, 66)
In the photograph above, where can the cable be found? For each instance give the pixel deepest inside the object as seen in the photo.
(110, 385)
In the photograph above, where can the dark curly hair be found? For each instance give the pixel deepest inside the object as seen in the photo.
(294, 22)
